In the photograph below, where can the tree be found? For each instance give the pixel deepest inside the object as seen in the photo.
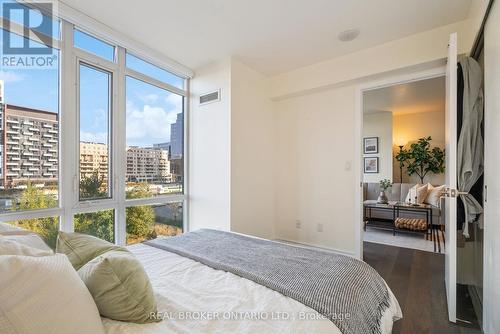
(420, 159)
(140, 219)
(100, 223)
(47, 227)
(92, 187)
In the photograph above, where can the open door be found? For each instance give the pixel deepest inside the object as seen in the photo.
(451, 179)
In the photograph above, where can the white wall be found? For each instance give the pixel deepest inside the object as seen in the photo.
(379, 124)
(209, 150)
(491, 292)
(231, 151)
(252, 153)
(413, 126)
(314, 142)
(315, 137)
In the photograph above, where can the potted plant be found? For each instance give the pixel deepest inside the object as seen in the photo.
(421, 159)
(384, 185)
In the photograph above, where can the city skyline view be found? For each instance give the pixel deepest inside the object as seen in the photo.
(154, 123)
(153, 107)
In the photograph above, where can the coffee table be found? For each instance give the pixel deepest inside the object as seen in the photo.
(395, 209)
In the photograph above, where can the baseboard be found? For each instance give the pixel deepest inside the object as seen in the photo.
(307, 245)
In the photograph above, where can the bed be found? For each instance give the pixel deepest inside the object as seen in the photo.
(195, 298)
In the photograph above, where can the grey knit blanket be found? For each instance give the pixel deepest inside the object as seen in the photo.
(347, 291)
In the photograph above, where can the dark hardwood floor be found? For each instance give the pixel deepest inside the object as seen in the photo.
(417, 280)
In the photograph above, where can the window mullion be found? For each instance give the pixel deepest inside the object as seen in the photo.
(67, 128)
(119, 147)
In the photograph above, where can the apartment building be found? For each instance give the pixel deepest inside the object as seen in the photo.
(145, 164)
(94, 158)
(29, 146)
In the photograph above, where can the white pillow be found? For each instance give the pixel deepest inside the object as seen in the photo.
(29, 239)
(45, 295)
(434, 195)
(11, 247)
(421, 193)
(4, 227)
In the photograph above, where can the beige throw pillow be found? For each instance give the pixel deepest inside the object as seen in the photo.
(120, 287)
(434, 195)
(115, 278)
(82, 248)
(12, 247)
(9, 228)
(44, 295)
(30, 240)
(418, 190)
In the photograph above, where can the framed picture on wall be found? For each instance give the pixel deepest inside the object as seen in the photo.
(371, 165)
(370, 145)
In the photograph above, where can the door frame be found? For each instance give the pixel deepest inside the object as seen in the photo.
(387, 81)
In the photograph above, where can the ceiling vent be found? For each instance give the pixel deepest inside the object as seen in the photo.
(210, 97)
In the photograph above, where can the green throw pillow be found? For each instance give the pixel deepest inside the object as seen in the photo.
(120, 287)
(82, 248)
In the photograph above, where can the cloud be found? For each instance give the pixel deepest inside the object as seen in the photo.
(10, 76)
(148, 125)
(175, 101)
(94, 137)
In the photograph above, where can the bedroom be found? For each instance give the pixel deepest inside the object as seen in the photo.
(148, 126)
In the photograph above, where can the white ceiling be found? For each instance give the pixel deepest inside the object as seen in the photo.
(414, 97)
(271, 36)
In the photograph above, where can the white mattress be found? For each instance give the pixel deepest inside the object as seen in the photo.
(199, 299)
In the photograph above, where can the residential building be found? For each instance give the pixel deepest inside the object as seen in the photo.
(94, 158)
(29, 146)
(145, 164)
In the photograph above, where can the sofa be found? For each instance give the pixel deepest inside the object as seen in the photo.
(397, 193)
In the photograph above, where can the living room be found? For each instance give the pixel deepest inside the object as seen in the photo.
(403, 164)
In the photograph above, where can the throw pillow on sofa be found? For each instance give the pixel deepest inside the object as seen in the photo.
(434, 195)
(418, 190)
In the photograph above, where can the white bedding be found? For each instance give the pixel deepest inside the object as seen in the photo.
(185, 288)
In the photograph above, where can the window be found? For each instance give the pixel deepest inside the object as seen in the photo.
(95, 107)
(112, 163)
(47, 228)
(155, 140)
(29, 136)
(153, 71)
(93, 45)
(147, 222)
(100, 224)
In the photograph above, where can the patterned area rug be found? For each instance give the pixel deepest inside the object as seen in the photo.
(405, 240)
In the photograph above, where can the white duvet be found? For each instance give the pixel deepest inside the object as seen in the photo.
(194, 298)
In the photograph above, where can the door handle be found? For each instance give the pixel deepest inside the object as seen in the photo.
(449, 192)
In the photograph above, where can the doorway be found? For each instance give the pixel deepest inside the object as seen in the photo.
(403, 162)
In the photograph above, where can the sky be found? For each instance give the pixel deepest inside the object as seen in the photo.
(149, 109)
